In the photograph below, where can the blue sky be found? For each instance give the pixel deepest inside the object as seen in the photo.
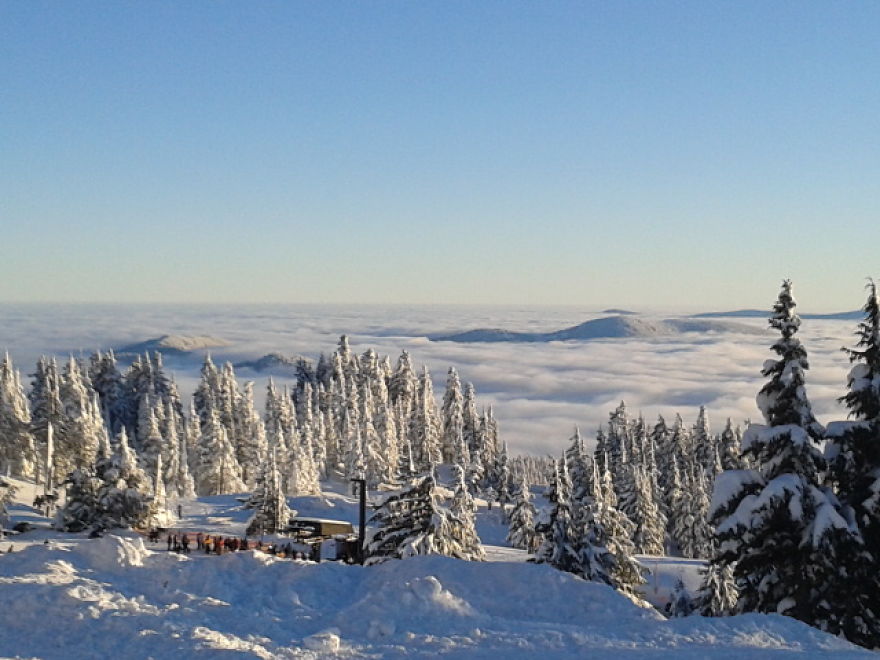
(646, 154)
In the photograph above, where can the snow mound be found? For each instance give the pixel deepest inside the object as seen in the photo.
(114, 552)
(114, 598)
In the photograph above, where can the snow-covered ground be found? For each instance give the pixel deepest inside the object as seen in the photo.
(66, 596)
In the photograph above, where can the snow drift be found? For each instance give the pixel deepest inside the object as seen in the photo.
(114, 597)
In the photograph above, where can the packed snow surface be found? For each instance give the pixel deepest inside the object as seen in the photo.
(114, 597)
(66, 596)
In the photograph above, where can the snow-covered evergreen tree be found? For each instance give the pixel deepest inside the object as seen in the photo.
(218, 471)
(425, 426)
(272, 514)
(453, 447)
(462, 522)
(730, 447)
(627, 574)
(521, 531)
(718, 593)
(7, 494)
(558, 547)
(681, 603)
(648, 519)
(76, 439)
(251, 448)
(18, 452)
(853, 453)
(784, 532)
(413, 522)
(81, 500)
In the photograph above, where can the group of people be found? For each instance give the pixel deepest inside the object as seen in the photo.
(216, 544)
(181, 542)
(219, 544)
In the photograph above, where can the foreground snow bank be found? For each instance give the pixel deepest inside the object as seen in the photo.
(114, 597)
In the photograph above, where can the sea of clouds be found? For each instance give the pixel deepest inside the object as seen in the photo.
(539, 391)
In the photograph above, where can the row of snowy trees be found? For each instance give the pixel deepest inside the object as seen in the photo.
(800, 528)
(659, 477)
(352, 416)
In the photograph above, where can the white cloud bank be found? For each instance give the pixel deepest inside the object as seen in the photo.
(539, 391)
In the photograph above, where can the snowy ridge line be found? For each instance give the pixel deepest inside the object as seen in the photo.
(611, 327)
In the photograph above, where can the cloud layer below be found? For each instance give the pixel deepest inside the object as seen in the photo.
(539, 391)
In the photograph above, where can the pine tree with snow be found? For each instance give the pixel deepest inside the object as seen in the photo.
(152, 443)
(387, 427)
(627, 574)
(559, 544)
(718, 593)
(375, 462)
(852, 451)
(452, 444)
(784, 532)
(160, 495)
(579, 468)
(18, 451)
(648, 519)
(7, 495)
(122, 501)
(703, 442)
(184, 484)
(425, 426)
(218, 472)
(303, 478)
(405, 469)
(81, 500)
(46, 413)
(77, 437)
(403, 384)
(690, 527)
(471, 430)
(521, 532)
(596, 562)
(413, 522)
(272, 514)
(681, 603)
(108, 382)
(730, 447)
(502, 478)
(462, 521)
(252, 446)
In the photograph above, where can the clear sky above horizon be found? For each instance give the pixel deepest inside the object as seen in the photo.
(628, 154)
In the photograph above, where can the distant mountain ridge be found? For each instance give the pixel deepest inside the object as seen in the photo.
(759, 313)
(173, 344)
(609, 327)
(274, 363)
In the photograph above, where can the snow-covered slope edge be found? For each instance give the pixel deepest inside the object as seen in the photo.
(113, 597)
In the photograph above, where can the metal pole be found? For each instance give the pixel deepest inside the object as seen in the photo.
(362, 517)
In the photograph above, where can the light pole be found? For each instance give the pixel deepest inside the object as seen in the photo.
(362, 517)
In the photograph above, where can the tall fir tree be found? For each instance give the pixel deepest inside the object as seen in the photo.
(272, 514)
(521, 530)
(782, 531)
(18, 451)
(852, 451)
